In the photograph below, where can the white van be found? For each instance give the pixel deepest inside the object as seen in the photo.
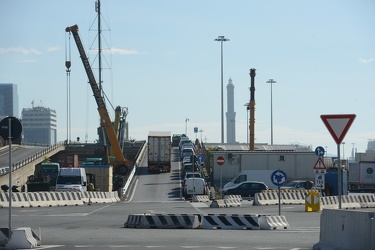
(194, 186)
(252, 175)
(71, 179)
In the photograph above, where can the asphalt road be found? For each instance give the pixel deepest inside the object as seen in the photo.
(101, 226)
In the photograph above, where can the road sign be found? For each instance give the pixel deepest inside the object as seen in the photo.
(320, 181)
(319, 151)
(278, 178)
(338, 125)
(16, 128)
(200, 151)
(312, 202)
(320, 166)
(200, 158)
(220, 160)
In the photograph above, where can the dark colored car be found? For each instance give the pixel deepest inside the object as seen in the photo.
(298, 185)
(246, 189)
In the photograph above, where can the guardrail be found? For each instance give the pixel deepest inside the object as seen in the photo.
(35, 156)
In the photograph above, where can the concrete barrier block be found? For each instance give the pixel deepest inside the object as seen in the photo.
(266, 198)
(346, 229)
(22, 238)
(273, 222)
(230, 221)
(233, 200)
(200, 198)
(165, 221)
(218, 203)
(366, 200)
(4, 236)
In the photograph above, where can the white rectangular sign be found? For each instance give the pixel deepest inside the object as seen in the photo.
(319, 181)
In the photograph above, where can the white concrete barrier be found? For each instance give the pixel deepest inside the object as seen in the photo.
(200, 198)
(273, 222)
(233, 200)
(329, 202)
(70, 198)
(22, 238)
(218, 204)
(99, 197)
(296, 197)
(346, 230)
(366, 200)
(38, 199)
(266, 198)
(350, 202)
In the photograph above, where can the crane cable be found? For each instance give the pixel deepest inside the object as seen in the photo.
(68, 63)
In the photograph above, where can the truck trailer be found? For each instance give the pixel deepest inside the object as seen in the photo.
(159, 151)
(361, 176)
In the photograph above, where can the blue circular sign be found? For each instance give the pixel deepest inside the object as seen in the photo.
(278, 178)
(200, 158)
(319, 151)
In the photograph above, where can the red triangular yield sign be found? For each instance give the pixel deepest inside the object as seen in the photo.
(338, 125)
(320, 164)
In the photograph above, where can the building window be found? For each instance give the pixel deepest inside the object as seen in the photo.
(281, 157)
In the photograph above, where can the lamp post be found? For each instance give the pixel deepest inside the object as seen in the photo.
(186, 120)
(271, 81)
(201, 131)
(222, 39)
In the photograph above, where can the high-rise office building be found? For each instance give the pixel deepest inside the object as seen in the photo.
(39, 126)
(231, 115)
(8, 100)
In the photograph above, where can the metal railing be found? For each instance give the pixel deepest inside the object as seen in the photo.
(35, 156)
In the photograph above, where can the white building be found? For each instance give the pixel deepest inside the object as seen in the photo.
(39, 126)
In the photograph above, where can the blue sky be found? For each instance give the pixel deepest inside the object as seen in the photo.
(165, 64)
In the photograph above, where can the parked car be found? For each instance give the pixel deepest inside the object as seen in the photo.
(186, 152)
(191, 175)
(195, 186)
(188, 167)
(246, 189)
(298, 185)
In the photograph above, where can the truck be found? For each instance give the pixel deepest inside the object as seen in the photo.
(45, 179)
(159, 151)
(252, 175)
(71, 179)
(361, 176)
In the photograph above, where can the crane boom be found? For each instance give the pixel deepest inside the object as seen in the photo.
(120, 165)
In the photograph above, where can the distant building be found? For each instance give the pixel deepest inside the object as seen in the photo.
(371, 145)
(8, 100)
(39, 126)
(231, 115)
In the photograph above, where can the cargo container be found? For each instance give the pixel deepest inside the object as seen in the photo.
(362, 177)
(159, 151)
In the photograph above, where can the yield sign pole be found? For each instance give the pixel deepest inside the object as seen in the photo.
(338, 126)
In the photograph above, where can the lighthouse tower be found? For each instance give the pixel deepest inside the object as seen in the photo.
(231, 115)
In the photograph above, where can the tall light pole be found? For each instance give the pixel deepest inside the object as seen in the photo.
(271, 81)
(186, 120)
(201, 131)
(222, 39)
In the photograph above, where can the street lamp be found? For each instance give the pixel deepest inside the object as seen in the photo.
(222, 39)
(201, 131)
(271, 81)
(186, 120)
